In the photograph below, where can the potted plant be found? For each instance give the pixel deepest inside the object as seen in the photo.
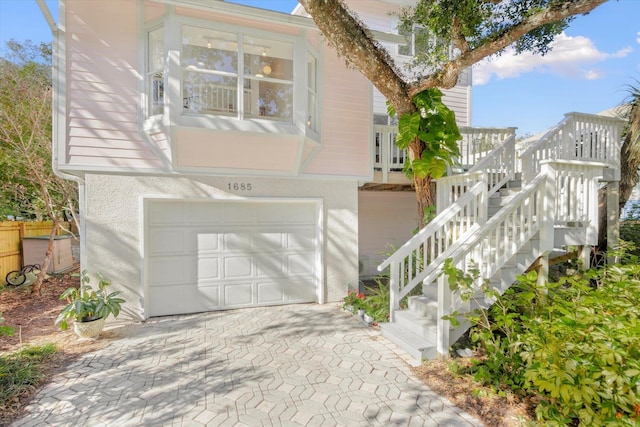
(352, 302)
(89, 307)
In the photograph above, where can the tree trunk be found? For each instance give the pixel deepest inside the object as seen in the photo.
(37, 285)
(630, 155)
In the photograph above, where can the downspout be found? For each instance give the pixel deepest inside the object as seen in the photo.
(59, 109)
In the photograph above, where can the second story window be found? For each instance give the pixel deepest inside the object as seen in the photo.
(155, 71)
(227, 73)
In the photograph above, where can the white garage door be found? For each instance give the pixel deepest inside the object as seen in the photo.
(204, 255)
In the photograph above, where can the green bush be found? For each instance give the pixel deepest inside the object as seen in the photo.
(574, 344)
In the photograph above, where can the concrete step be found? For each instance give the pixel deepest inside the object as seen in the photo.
(417, 324)
(426, 306)
(417, 347)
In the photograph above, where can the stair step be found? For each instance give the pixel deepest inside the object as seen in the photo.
(422, 326)
(424, 305)
(417, 347)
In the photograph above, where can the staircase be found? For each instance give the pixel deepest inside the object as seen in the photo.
(513, 206)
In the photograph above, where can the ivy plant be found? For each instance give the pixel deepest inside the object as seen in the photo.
(434, 124)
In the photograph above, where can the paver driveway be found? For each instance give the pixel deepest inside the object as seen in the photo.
(289, 365)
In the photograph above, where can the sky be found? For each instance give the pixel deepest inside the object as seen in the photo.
(589, 70)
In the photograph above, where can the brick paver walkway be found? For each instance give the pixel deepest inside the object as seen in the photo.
(308, 365)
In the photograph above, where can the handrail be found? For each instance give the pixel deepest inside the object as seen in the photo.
(475, 145)
(579, 136)
(430, 244)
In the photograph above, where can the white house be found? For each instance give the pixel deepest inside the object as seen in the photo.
(221, 152)
(227, 158)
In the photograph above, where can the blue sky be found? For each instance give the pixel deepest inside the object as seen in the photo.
(588, 71)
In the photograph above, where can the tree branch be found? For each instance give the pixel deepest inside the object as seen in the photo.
(353, 41)
(448, 76)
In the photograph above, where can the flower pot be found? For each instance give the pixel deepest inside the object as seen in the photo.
(90, 329)
(360, 313)
(368, 319)
(349, 308)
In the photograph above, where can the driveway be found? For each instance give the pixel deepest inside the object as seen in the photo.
(309, 365)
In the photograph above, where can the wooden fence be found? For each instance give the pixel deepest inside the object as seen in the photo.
(11, 234)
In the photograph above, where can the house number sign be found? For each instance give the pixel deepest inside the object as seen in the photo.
(240, 186)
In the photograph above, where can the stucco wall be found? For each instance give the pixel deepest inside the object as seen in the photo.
(114, 227)
(386, 219)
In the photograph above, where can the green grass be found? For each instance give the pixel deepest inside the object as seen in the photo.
(22, 371)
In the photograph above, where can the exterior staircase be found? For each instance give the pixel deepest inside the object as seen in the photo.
(512, 207)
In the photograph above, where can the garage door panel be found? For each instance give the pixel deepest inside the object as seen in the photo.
(204, 256)
(296, 291)
(236, 213)
(270, 265)
(167, 213)
(237, 241)
(164, 241)
(206, 241)
(172, 270)
(208, 297)
(301, 239)
(238, 294)
(300, 263)
(237, 266)
(268, 241)
(208, 268)
(206, 213)
(270, 292)
(169, 300)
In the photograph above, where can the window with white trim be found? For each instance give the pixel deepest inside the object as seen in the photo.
(226, 73)
(312, 92)
(155, 71)
(418, 38)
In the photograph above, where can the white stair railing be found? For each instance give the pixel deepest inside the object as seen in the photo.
(431, 245)
(561, 186)
(478, 143)
(583, 137)
(496, 168)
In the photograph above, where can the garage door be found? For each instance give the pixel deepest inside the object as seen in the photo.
(204, 255)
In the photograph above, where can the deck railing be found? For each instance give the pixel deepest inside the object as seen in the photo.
(475, 145)
(557, 191)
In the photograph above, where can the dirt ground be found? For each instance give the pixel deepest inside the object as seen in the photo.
(33, 318)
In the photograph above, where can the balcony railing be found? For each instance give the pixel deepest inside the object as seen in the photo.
(476, 143)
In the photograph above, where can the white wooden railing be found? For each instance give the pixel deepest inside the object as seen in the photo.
(583, 137)
(413, 261)
(215, 98)
(561, 189)
(475, 145)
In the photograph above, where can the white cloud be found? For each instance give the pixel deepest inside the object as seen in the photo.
(638, 39)
(571, 57)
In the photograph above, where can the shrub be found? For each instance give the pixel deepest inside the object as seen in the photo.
(575, 344)
(21, 371)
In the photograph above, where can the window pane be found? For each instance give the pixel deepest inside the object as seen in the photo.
(210, 67)
(269, 100)
(312, 120)
(156, 98)
(405, 49)
(268, 58)
(204, 49)
(156, 49)
(208, 93)
(311, 72)
(380, 119)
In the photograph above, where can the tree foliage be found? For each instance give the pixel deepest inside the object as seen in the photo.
(458, 34)
(27, 180)
(631, 146)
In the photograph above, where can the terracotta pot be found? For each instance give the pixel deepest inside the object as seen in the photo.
(89, 329)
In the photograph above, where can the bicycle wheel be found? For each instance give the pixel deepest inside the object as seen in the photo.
(15, 278)
(31, 268)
